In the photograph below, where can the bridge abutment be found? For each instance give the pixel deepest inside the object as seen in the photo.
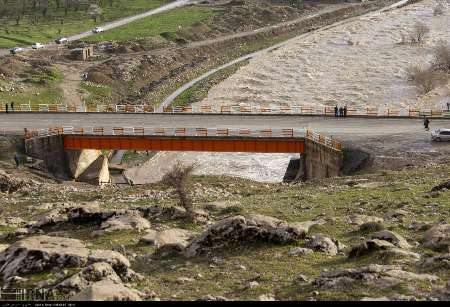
(88, 165)
(319, 161)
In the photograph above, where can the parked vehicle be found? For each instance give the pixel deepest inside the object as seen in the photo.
(98, 30)
(16, 50)
(439, 135)
(62, 40)
(37, 46)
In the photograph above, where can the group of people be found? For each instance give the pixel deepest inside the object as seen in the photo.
(340, 111)
(7, 107)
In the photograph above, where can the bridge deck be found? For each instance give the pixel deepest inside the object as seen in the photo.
(186, 143)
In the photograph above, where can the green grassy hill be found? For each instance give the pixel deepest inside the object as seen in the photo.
(21, 23)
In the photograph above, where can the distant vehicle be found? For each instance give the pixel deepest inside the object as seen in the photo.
(37, 46)
(62, 40)
(16, 50)
(98, 30)
(439, 135)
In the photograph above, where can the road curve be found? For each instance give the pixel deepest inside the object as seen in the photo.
(169, 99)
(117, 23)
(346, 128)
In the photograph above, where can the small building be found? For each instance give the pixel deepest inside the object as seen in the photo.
(82, 53)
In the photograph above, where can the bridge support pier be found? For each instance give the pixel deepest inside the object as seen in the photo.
(84, 165)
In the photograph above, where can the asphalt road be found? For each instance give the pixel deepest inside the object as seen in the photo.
(343, 127)
(115, 24)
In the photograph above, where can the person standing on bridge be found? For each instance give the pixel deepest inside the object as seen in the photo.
(345, 111)
(16, 160)
(341, 112)
(336, 110)
(426, 123)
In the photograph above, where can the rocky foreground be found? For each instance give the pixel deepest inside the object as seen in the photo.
(384, 236)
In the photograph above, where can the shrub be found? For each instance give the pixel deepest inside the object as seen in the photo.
(419, 32)
(438, 9)
(178, 179)
(441, 57)
(425, 79)
(371, 227)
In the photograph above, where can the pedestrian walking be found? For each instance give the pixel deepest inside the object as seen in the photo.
(341, 111)
(448, 106)
(16, 160)
(336, 110)
(12, 106)
(345, 111)
(6, 108)
(426, 123)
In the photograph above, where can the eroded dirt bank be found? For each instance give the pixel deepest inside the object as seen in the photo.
(362, 62)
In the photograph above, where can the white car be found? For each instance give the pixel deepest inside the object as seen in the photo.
(98, 30)
(16, 50)
(37, 46)
(62, 40)
(439, 135)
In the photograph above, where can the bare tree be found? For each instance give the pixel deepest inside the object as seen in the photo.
(95, 11)
(441, 57)
(178, 178)
(420, 31)
(425, 79)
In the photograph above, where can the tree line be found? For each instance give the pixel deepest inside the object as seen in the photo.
(36, 11)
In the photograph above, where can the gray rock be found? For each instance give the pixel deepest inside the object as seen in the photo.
(87, 276)
(131, 220)
(400, 255)
(107, 290)
(210, 297)
(321, 243)
(218, 206)
(238, 229)
(369, 246)
(175, 239)
(10, 184)
(438, 237)
(300, 251)
(359, 219)
(375, 275)
(3, 247)
(40, 253)
(391, 237)
(437, 261)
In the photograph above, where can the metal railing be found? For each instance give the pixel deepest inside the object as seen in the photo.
(187, 131)
(234, 109)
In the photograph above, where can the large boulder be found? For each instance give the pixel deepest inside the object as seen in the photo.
(321, 243)
(237, 229)
(10, 184)
(359, 219)
(170, 240)
(87, 276)
(369, 246)
(107, 290)
(131, 220)
(90, 212)
(376, 275)
(437, 261)
(391, 237)
(438, 237)
(40, 253)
